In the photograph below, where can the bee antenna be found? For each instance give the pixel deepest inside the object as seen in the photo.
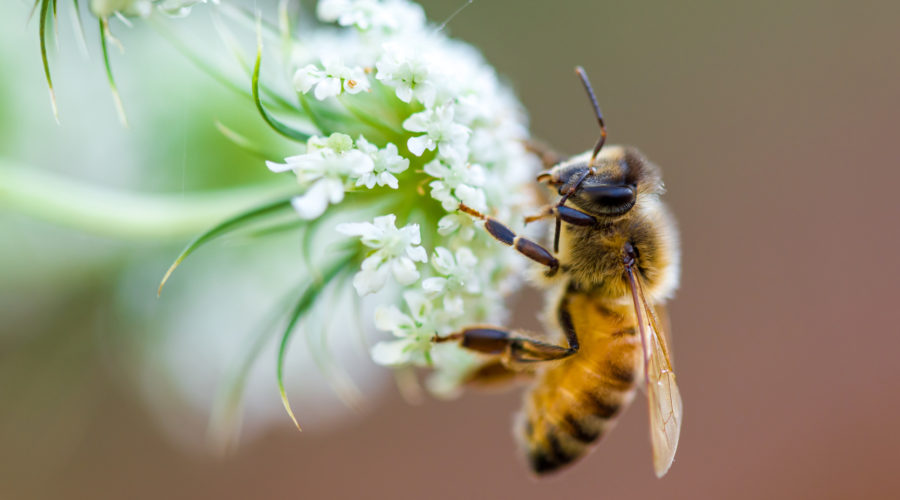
(590, 91)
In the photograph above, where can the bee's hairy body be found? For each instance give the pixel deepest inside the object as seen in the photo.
(615, 260)
(574, 400)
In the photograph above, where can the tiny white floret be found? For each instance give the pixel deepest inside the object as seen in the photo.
(396, 251)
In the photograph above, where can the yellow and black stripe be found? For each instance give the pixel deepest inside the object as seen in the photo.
(575, 399)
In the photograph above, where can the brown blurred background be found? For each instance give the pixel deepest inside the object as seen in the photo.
(775, 124)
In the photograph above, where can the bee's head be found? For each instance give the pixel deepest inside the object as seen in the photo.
(604, 183)
(620, 175)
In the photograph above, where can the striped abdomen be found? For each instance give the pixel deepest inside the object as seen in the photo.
(575, 400)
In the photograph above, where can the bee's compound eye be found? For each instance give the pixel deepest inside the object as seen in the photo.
(611, 197)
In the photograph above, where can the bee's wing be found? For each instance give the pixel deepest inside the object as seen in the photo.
(663, 397)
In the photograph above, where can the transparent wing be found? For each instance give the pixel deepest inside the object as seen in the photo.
(664, 400)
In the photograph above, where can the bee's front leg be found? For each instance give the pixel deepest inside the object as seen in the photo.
(524, 246)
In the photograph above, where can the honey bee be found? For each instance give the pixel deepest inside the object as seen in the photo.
(615, 261)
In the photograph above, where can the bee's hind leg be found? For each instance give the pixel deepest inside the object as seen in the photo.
(493, 373)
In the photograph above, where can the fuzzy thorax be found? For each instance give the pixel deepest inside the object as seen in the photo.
(592, 257)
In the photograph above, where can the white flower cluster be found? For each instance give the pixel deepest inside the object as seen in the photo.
(387, 15)
(397, 249)
(331, 165)
(143, 8)
(445, 132)
(332, 79)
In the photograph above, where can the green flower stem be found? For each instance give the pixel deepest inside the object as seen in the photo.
(121, 214)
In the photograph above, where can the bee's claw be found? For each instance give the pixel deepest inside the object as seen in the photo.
(552, 271)
(437, 339)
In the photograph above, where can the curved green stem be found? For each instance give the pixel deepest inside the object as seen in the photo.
(122, 214)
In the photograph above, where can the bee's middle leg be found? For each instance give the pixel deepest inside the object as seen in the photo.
(549, 157)
(509, 346)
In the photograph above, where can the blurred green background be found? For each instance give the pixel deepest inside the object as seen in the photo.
(775, 126)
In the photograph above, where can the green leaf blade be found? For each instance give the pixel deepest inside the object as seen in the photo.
(276, 125)
(42, 33)
(120, 109)
(306, 300)
(222, 228)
